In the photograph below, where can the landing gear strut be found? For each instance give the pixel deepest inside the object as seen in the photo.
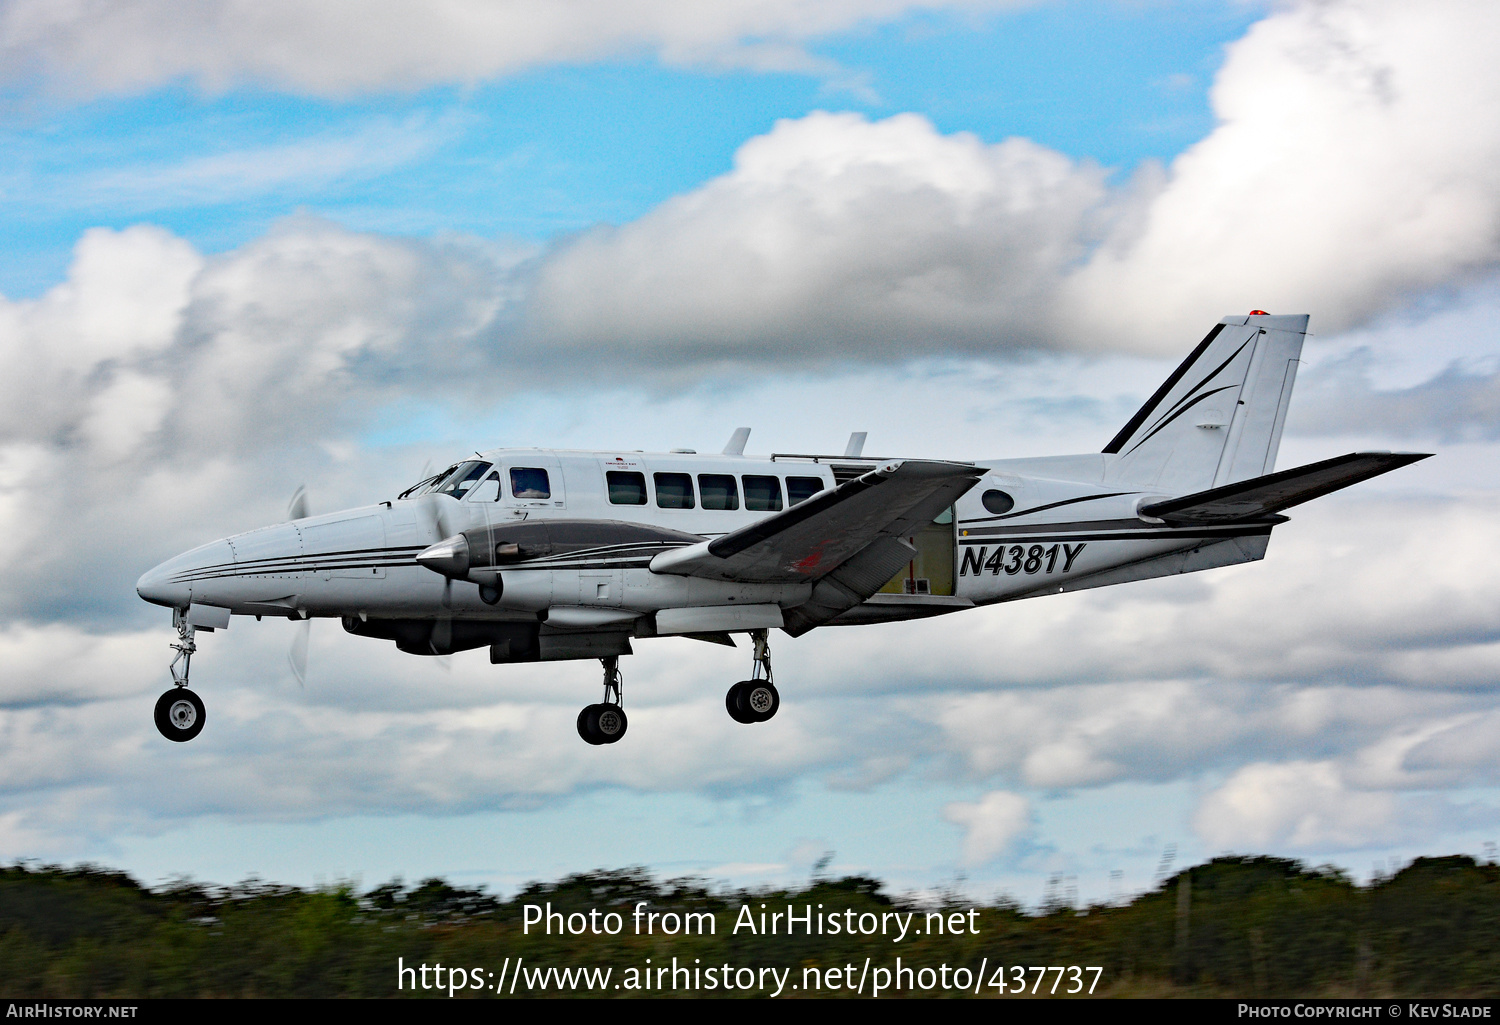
(179, 712)
(605, 723)
(755, 699)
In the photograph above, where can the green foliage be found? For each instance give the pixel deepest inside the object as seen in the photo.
(1234, 926)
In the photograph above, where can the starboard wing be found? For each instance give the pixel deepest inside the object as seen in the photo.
(811, 540)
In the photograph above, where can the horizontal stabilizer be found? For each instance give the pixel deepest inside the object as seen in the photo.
(1265, 496)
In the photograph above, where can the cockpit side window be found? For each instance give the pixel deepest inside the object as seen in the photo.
(488, 490)
(529, 482)
(463, 477)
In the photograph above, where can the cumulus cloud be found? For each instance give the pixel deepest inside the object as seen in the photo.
(160, 397)
(166, 387)
(1298, 805)
(1356, 163)
(341, 48)
(992, 824)
(1303, 807)
(861, 238)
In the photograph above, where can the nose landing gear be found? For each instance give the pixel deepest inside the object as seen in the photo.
(180, 714)
(756, 699)
(605, 723)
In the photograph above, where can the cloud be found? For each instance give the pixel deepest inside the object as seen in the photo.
(1297, 805)
(1305, 807)
(1355, 165)
(160, 397)
(992, 824)
(1458, 404)
(302, 167)
(856, 237)
(168, 388)
(343, 48)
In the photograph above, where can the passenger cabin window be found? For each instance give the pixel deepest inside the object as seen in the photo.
(488, 489)
(718, 491)
(463, 477)
(762, 494)
(529, 482)
(673, 490)
(626, 487)
(800, 489)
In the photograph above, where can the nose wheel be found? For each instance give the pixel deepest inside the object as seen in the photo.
(180, 714)
(756, 699)
(605, 722)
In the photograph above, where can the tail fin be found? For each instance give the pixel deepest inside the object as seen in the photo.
(1218, 418)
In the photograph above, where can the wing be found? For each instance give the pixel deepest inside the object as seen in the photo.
(812, 539)
(1265, 496)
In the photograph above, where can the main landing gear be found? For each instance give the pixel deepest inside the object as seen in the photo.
(605, 723)
(179, 712)
(755, 699)
(749, 701)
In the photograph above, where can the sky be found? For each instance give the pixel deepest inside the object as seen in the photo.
(248, 248)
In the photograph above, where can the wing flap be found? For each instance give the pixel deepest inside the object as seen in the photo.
(812, 539)
(850, 584)
(1265, 496)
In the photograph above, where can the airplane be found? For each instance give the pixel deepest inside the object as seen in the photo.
(544, 555)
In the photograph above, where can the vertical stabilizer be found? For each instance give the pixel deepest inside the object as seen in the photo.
(1218, 418)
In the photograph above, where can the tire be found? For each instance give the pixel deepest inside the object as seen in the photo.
(760, 700)
(609, 723)
(586, 725)
(734, 703)
(180, 715)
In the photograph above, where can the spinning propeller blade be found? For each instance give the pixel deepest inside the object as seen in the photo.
(296, 656)
(296, 509)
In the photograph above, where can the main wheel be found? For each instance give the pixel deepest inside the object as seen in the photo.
(734, 703)
(586, 725)
(609, 723)
(180, 714)
(760, 700)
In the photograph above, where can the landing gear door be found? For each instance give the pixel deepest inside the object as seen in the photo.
(532, 484)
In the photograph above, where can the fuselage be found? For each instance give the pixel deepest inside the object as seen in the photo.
(576, 533)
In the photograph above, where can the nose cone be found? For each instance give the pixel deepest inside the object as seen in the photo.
(171, 583)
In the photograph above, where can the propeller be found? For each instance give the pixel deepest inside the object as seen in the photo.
(449, 557)
(442, 629)
(296, 655)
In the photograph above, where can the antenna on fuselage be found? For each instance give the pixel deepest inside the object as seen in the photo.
(736, 446)
(856, 444)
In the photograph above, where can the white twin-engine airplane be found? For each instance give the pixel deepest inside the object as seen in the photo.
(542, 555)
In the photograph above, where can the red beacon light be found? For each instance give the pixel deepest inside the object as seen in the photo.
(1259, 313)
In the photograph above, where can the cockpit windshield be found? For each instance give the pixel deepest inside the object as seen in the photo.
(456, 481)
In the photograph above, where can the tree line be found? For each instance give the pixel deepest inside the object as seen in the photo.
(1234, 926)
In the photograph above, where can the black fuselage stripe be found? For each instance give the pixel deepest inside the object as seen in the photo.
(1120, 535)
(1044, 508)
